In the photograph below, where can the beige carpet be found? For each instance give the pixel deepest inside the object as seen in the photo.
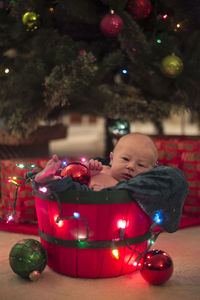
(183, 247)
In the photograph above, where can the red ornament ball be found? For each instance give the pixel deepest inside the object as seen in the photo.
(139, 9)
(157, 267)
(111, 24)
(78, 172)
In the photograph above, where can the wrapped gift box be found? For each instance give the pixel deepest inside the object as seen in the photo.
(184, 153)
(25, 204)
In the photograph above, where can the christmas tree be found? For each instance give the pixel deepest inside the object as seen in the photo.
(130, 59)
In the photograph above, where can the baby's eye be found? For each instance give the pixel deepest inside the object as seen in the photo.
(125, 158)
(141, 165)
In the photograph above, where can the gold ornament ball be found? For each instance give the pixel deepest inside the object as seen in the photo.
(30, 19)
(172, 66)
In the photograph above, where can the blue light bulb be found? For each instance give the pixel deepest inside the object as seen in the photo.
(158, 217)
(124, 71)
(64, 163)
(76, 215)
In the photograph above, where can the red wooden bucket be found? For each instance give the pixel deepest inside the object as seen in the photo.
(101, 233)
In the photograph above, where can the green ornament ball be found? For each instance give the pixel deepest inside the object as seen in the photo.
(27, 256)
(172, 66)
(30, 19)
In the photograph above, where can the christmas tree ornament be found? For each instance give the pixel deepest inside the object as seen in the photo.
(118, 128)
(157, 267)
(82, 52)
(78, 172)
(28, 256)
(30, 19)
(172, 66)
(111, 24)
(139, 9)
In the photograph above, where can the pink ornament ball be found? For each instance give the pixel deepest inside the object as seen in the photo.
(157, 267)
(111, 24)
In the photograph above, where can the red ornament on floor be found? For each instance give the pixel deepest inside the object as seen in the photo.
(78, 172)
(157, 267)
(111, 24)
(139, 9)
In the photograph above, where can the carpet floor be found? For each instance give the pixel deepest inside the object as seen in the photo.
(182, 246)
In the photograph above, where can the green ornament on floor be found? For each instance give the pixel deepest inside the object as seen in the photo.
(28, 256)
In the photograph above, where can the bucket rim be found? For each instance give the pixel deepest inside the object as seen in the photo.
(87, 197)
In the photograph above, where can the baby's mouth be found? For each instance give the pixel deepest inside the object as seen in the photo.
(126, 176)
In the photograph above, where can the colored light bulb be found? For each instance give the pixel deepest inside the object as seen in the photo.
(21, 166)
(121, 224)
(158, 217)
(9, 219)
(124, 71)
(43, 189)
(64, 163)
(115, 253)
(83, 160)
(76, 215)
(165, 16)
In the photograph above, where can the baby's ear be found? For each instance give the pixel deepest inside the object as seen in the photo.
(111, 157)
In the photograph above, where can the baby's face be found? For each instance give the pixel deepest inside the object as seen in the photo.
(132, 157)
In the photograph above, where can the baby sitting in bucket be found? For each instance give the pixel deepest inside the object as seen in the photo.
(133, 154)
(159, 191)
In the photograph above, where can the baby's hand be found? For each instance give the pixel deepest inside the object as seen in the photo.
(48, 173)
(94, 166)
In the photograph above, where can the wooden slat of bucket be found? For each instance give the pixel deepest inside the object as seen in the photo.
(42, 214)
(100, 221)
(60, 259)
(112, 266)
(139, 223)
(89, 261)
(66, 228)
(103, 224)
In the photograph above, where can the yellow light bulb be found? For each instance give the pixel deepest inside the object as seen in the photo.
(115, 252)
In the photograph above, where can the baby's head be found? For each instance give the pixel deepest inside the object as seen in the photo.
(133, 154)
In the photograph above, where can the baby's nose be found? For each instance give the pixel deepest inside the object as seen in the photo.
(131, 166)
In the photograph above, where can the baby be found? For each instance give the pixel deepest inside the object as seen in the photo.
(133, 154)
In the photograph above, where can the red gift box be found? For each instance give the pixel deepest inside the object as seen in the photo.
(25, 203)
(183, 153)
